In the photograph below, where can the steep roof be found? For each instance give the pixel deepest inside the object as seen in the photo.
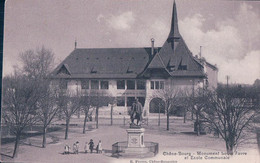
(172, 59)
(104, 63)
(175, 55)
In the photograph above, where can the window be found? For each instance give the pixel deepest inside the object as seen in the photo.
(130, 84)
(63, 84)
(130, 101)
(161, 84)
(171, 68)
(140, 84)
(182, 67)
(156, 84)
(120, 101)
(84, 84)
(104, 84)
(120, 84)
(94, 84)
(152, 84)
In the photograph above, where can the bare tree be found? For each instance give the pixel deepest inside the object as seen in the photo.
(47, 108)
(20, 96)
(86, 105)
(69, 103)
(112, 102)
(99, 99)
(197, 104)
(37, 64)
(170, 97)
(229, 115)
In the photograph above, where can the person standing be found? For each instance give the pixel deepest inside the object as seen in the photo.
(86, 147)
(74, 148)
(91, 145)
(66, 149)
(99, 149)
(77, 147)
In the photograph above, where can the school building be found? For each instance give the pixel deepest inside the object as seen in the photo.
(129, 73)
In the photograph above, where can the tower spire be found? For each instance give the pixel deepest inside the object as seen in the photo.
(174, 32)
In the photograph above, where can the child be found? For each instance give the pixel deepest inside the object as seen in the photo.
(86, 147)
(99, 147)
(91, 145)
(66, 149)
(74, 148)
(77, 147)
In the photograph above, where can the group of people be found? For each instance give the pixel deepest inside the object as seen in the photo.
(88, 148)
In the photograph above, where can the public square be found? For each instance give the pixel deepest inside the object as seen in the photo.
(180, 138)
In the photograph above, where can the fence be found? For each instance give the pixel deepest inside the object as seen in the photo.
(119, 148)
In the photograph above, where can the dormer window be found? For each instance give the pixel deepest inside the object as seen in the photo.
(129, 71)
(171, 68)
(182, 67)
(93, 71)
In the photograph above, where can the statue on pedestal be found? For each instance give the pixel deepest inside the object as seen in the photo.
(136, 113)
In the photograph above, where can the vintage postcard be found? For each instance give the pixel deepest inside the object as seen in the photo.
(147, 81)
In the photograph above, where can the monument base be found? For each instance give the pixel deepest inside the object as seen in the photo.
(135, 137)
(135, 147)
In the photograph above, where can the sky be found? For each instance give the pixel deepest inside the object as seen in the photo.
(228, 31)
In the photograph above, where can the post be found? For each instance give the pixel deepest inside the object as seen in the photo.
(193, 91)
(159, 116)
(227, 80)
(111, 114)
(124, 121)
(97, 117)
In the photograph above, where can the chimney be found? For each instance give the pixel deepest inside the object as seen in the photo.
(75, 43)
(200, 51)
(152, 46)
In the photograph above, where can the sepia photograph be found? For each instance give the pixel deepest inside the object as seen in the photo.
(130, 81)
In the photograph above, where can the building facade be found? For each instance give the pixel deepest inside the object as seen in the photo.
(129, 73)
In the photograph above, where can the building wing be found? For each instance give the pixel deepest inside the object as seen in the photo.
(104, 63)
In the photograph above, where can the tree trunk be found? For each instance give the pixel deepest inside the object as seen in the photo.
(78, 113)
(44, 136)
(229, 148)
(97, 117)
(184, 116)
(111, 114)
(16, 145)
(67, 128)
(84, 125)
(192, 113)
(159, 119)
(168, 119)
(197, 124)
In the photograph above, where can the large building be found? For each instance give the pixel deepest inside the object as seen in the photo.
(129, 73)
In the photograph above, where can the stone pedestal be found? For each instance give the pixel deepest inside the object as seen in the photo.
(135, 147)
(135, 137)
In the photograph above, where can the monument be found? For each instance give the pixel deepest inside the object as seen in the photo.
(135, 145)
(135, 135)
